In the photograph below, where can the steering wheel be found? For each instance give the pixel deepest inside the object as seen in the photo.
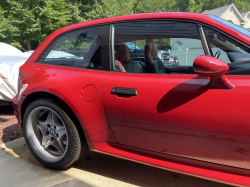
(217, 54)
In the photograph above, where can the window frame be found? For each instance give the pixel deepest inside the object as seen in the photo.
(104, 66)
(198, 25)
(229, 36)
(207, 49)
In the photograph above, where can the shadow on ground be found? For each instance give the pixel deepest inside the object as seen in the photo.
(9, 128)
(6, 108)
(100, 170)
(137, 174)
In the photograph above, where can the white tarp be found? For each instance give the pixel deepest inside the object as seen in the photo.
(10, 60)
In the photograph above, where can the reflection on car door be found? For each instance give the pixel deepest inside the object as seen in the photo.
(181, 115)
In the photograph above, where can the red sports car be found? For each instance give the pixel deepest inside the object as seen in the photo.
(81, 90)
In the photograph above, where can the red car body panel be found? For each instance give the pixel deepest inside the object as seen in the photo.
(242, 179)
(67, 84)
(217, 110)
(181, 115)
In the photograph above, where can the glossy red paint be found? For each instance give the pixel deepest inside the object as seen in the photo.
(181, 115)
(168, 164)
(215, 69)
(205, 132)
(89, 93)
(67, 84)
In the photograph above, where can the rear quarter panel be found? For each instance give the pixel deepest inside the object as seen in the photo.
(67, 84)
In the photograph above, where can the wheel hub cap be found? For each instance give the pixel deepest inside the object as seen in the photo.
(52, 132)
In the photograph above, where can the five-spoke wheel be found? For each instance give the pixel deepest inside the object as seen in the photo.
(51, 135)
(47, 133)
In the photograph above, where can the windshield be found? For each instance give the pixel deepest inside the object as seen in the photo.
(231, 25)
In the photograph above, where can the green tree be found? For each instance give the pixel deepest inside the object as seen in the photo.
(195, 6)
(110, 8)
(29, 20)
(5, 29)
(78, 9)
(148, 6)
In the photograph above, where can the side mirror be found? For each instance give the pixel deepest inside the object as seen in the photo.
(215, 69)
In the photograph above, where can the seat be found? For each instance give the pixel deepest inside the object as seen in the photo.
(122, 55)
(153, 62)
(120, 66)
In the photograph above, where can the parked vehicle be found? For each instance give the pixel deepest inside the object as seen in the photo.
(190, 119)
(174, 60)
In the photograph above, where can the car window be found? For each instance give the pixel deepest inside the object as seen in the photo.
(82, 48)
(157, 46)
(132, 46)
(232, 52)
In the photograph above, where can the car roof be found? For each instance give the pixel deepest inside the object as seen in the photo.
(159, 15)
(203, 18)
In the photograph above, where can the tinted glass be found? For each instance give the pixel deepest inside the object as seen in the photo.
(232, 52)
(158, 46)
(231, 25)
(82, 48)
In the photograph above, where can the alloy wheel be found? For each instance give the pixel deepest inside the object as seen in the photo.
(47, 134)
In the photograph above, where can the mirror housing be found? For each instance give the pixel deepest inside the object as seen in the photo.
(215, 69)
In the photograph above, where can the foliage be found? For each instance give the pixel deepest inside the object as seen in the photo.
(26, 23)
(29, 20)
(110, 8)
(73, 45)
(79, 9)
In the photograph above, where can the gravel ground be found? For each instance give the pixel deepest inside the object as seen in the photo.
(9, 128)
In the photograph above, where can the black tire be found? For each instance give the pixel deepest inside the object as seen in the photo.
(76, 142)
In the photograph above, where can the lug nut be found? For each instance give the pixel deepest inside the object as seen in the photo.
(46, 133)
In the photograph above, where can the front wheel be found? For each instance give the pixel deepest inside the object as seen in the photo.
(51, 135)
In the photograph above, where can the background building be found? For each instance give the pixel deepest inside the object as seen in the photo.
(231, 14)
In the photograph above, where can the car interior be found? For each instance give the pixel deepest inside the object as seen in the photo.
(237, 53)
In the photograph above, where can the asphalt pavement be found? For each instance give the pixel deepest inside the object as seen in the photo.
(19, 168)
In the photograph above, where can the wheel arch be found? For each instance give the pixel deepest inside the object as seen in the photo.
(38, 95)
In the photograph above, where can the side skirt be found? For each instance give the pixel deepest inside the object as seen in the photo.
(200, 169)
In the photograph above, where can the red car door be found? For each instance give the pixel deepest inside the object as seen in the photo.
(176, 113)
(181, 115)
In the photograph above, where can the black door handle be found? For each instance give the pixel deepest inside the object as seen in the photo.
(124, 91)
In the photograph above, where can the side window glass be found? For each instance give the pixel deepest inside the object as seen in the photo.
(232, 52)
(156, 46)
(82, 48)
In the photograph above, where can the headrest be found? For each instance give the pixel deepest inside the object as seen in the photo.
(122, 52)
(154, 51)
